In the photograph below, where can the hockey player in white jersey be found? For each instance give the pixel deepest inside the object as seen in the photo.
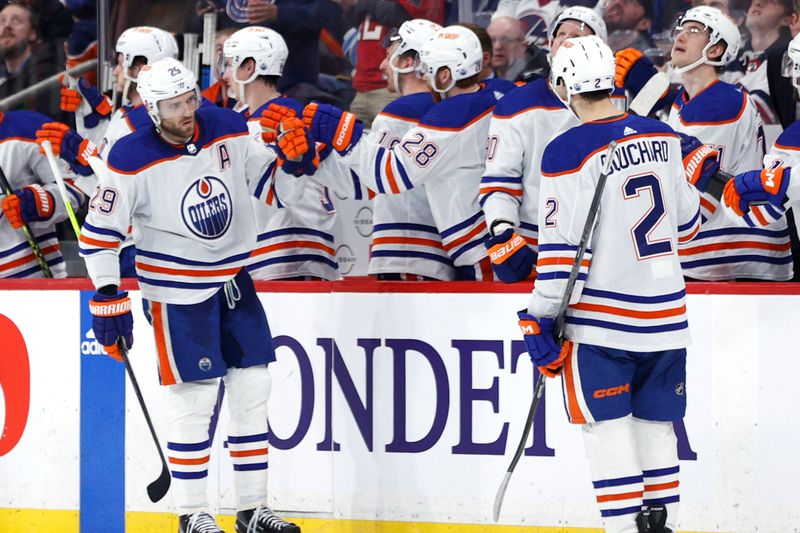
(771, 189)
(723, 116)
(623, 359)
(185, 185)
(34, 200)
(445, 150)
(405, 242)
(295, 242)
(523, 123)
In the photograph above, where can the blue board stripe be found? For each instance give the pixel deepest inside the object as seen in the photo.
(102, 430)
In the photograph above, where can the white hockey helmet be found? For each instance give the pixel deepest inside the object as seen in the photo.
(584, 15)
(584, 64)
(720, 28)
(794, 56)
(264, 46)
(411, 36)
(456, 48)
(164, 79)
(146, 41)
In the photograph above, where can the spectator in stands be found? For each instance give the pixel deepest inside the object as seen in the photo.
(81, 45)
(768, 23)
(628, 23)
(508, 47)
(374, 19)
(299, 22)
(24, 62)
(779, 76)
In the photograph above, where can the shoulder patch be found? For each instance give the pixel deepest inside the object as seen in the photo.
(458, 112)
(22, 124)
(411, 107)
(533, 95)
(718, 103)
(789, 139)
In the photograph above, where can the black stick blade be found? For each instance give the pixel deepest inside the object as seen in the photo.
(158, 488)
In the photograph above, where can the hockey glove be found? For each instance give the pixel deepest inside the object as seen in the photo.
(512, 259)
(332, 126)
(633, 71)
(69, 145)
(700, 161)
(100, 105)
(297, 154)
(112, 320)
(757, 186)
(271, 119)
(541, 343)
(30, 204)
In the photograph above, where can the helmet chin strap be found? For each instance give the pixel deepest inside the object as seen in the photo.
(241, 83)
(125, 90)
(396, 71)
(703, 59)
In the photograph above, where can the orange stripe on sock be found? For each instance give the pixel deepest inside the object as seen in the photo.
(662, 486)
(249, 453)
(617, 497)
(179, 461)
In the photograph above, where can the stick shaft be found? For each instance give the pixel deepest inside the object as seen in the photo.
(62, 187)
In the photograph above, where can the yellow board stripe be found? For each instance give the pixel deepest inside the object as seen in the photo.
(48, 521)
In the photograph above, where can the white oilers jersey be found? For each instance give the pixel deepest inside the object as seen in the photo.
(723, 116)
(22, 165)
(630, 292)
(189, 206)
(296, 241)
(523, 124)
(447, 152)
(405, 239)
(124, 121)
(786, 153)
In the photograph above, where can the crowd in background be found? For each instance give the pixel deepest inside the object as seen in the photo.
(336, 46)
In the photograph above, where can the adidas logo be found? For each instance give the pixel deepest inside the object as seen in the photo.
(629, 131)
(90, 346)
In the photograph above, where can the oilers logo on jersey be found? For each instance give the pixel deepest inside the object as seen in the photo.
(206, 208)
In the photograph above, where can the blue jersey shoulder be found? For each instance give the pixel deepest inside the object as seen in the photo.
(568, 151)
(790, 137)
(720, 102)
(531, 95)
(411, 107)
(22, 124)
(457, 112)
(144, 147)
(291, 103)
(138, 118)
(498, 85)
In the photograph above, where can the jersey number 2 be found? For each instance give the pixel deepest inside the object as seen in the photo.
(645, 247)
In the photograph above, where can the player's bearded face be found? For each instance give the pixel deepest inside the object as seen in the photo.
(177, 115)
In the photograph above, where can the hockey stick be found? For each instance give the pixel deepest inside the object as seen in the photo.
(649, 95)
(62, 188)
(37, 251)
(538, 390)
(158, 488)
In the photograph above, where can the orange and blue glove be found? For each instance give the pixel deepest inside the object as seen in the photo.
(332, 126)
(271, 119)
(32, 203)
(512, 259)
(297, 154)
(68, 145)
(112, 320)
(633, 70)
(757, 187)
(71, 101)
(700, 161)
(540, 340)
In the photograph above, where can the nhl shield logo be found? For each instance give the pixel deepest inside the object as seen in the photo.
(206, 208)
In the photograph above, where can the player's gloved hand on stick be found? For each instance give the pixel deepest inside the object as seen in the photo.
(271, 119)
(700, 161)
(32, 203)
(332, 126)
(68, 145)
(540, 340)
(757, 187)
(512, 259)
(71, 101)
(297, 154)
(634, 70)
(112, 320)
